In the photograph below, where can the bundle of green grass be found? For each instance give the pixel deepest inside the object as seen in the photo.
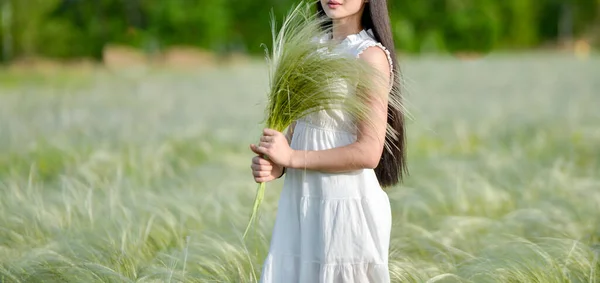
(306, 75)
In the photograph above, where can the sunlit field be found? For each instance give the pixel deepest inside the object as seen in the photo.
(143, 175)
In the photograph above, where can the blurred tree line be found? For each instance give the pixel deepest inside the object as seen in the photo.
(81, 28)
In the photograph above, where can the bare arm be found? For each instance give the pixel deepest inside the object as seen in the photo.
(366, 151)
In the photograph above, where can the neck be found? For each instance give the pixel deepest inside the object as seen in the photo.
(343, 27)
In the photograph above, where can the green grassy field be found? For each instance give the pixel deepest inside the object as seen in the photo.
(143, 176)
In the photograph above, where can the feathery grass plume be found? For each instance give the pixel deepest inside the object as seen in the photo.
(305, 77)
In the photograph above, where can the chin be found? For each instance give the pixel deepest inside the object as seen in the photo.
(334, 15)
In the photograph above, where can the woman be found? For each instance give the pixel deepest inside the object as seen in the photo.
(334, 220)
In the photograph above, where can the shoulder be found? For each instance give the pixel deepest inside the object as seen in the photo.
(376, 55)
(372, 51)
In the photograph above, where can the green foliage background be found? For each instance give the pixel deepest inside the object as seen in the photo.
(75, 28)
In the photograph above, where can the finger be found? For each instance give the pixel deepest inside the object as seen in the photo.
(263, 179)
(265, 145)
(262, 151)
(270, 132)
(260, 173)
(261, 167)
(254, 149)
(266, 168)
(266, 139)
(261, 161)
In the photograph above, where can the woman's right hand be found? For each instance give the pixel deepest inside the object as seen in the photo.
(264, 170)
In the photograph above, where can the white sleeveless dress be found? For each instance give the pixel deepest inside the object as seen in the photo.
(330, 228)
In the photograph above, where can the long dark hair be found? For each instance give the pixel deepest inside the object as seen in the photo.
(392, 165)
